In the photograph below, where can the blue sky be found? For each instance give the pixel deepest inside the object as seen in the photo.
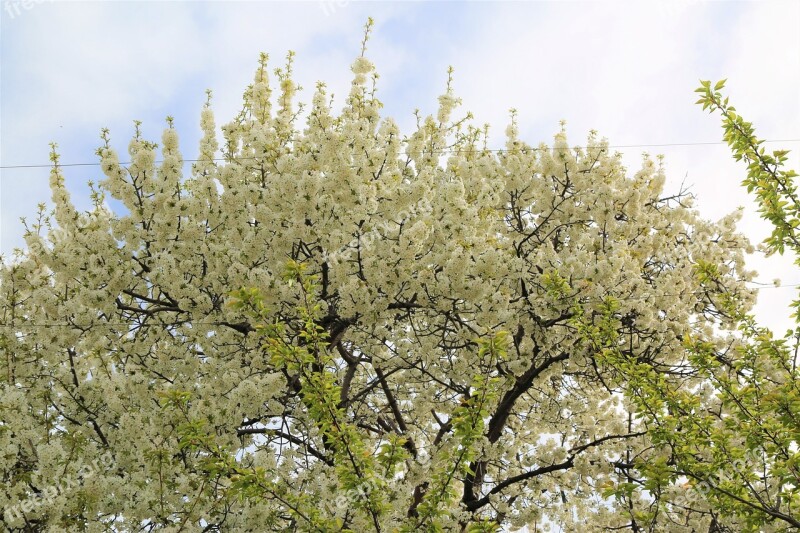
(626, 69)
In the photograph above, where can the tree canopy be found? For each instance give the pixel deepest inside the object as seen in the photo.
(335, 326)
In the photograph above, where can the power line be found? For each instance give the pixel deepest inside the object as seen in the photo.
(447, 151)
(771, 286)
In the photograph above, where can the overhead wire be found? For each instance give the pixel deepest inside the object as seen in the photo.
(442, 151)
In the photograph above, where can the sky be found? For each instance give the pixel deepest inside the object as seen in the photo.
(626, 69)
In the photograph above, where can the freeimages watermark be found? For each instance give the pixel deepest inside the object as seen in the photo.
(66, 484)
(701, 490)
(362, 491)
(329, 7)
(365, 240)
(346, 499)
(16, 8)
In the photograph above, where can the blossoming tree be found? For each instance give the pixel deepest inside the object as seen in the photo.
(335, 326)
